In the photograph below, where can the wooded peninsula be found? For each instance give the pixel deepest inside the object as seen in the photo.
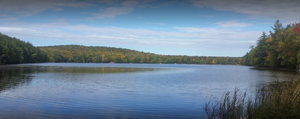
(280, 49)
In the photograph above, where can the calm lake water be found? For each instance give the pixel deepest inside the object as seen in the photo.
(96, 90)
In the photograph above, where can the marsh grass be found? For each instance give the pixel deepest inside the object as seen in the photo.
(278, 100)
(231, 105)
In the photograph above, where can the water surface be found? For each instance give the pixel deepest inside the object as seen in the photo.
(95, 90)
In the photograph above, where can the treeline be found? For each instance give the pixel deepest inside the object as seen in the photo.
(84, 54)
(14, 51)
(279, 49)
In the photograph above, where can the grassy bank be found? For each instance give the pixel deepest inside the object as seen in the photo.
(278, 100)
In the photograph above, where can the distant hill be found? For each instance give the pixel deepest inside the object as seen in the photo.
(85, 54)
(14, 51)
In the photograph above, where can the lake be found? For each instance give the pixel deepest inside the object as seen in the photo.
(99, 90)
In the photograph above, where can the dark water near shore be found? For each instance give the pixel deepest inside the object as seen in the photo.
(91, 90)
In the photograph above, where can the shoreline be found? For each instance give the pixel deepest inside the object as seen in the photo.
(274, 69)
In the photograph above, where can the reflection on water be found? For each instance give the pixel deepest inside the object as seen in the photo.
(94, 69)
(14, 76)
(88, 90)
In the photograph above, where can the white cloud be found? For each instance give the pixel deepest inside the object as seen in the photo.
(220, 36)
(287, 10)
(181, 37)
(233, 23)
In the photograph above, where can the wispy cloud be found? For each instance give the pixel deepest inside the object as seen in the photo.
(7, 18)
(130, 3)
(219, 36)
(31, 7)
(287, 10)
(181, 37)
(123, 8)
(112, 12)
(233, 23)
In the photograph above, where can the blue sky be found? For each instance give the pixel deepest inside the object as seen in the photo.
(168, 27)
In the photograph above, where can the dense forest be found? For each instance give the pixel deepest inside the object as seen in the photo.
(84, 54)
(279, 49)
(14, 51)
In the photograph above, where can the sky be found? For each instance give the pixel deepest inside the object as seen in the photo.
(167, 27)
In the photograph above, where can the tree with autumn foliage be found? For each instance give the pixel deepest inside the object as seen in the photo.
(213, 62)
(13, 51)
(86, 54)
(279, 49)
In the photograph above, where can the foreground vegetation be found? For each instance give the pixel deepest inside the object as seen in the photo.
(14, 51)
(279, 100)
(279, 49)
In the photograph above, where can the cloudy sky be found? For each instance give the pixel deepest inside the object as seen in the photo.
(169, 27)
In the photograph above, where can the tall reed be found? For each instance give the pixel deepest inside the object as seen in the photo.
(278, 100)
